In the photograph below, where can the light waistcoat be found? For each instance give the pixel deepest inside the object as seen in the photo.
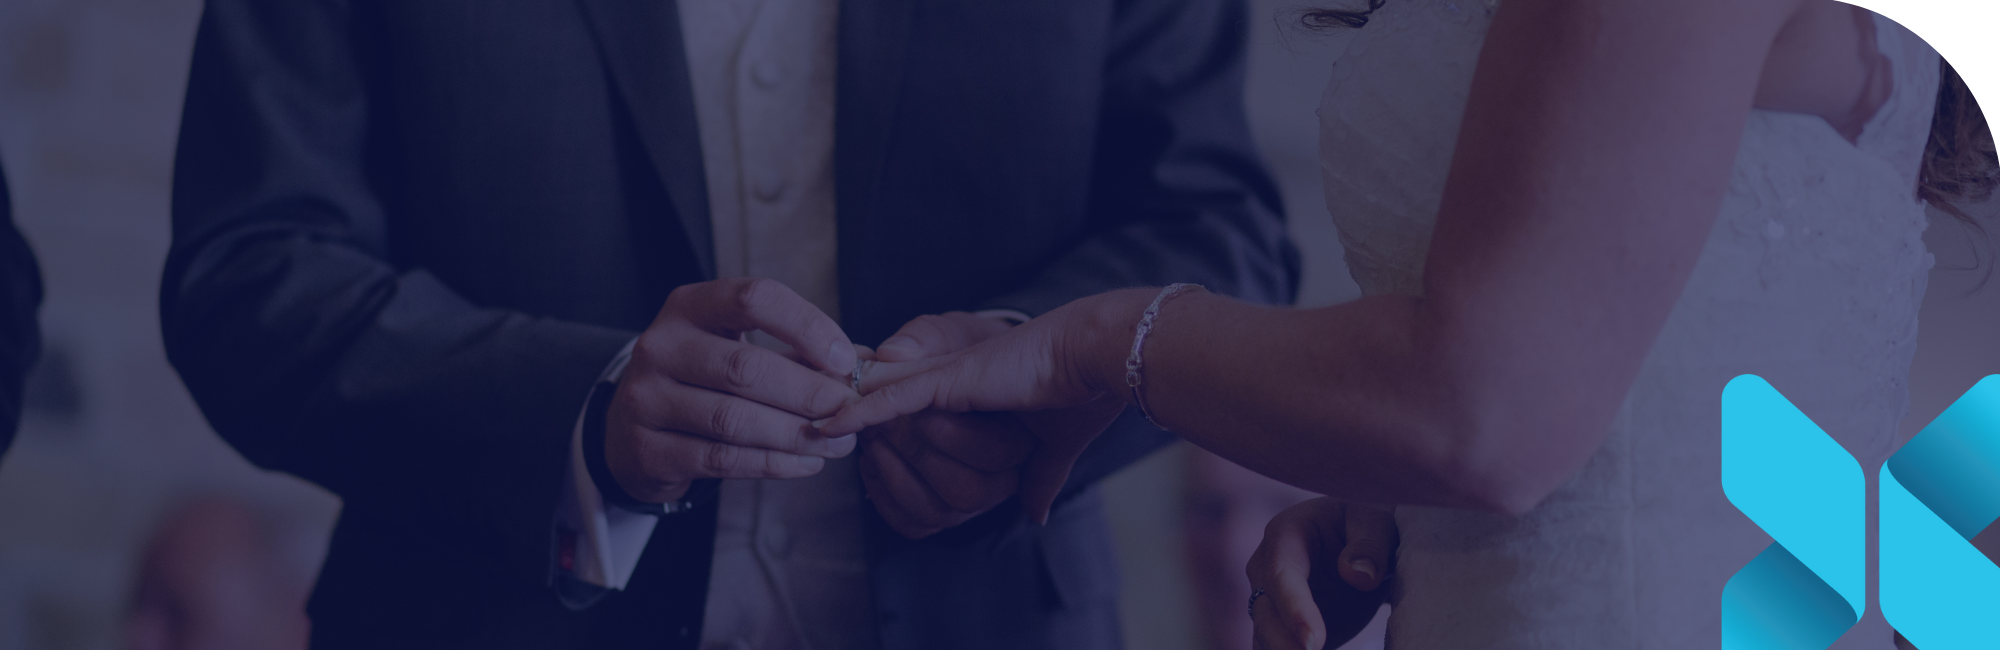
(789, 570)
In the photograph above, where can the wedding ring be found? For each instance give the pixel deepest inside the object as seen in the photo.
(861, 368)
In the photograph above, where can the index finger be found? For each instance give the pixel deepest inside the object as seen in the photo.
(1282, 567)
(733, 306)
(754, 373)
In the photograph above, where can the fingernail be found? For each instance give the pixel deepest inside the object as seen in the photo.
(902, 346)
(1364, 566)
(843, 357)
(821, 424)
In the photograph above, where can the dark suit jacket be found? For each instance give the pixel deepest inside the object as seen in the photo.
(20, 337)
(408, 235)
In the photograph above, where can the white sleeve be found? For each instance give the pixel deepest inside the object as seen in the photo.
(600, 544)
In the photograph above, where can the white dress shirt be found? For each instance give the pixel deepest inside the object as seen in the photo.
(789, 568)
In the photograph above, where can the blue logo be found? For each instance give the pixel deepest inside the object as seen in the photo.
(1803, 489)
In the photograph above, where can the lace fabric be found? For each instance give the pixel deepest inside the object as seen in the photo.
(1811, 277)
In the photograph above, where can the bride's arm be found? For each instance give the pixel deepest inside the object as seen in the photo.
(1596, 146)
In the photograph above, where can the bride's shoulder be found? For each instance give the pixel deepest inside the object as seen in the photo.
(1813, 68)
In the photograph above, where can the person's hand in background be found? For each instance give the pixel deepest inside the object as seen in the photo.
(1321, 568)
(1224, 508)
(698, 402)
(932, 470)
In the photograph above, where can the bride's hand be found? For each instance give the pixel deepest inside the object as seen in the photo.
(1042, 370)
(1320, 568)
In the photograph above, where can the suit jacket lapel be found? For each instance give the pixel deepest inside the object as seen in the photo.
(874, 39)
(640, 41)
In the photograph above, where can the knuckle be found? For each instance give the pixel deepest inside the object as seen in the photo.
(725, 421)
(740, 369)
(755, 292)
(653, 347)
(1259, 565)
(821, 333)
(717, 460)
(680, 348)
(824, 399)
(779, 464)
(680, 294)
(640, 402)
(929, 324)
(1279, 526)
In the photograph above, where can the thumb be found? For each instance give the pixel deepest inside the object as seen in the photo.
(1364, 562)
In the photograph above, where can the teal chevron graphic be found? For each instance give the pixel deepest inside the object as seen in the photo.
(1784, 473)
(1938, 491)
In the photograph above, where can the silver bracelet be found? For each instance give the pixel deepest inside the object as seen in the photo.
(1136, 363)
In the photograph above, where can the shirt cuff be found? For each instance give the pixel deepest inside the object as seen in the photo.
(597, 544)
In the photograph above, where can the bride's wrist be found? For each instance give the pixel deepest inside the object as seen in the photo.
(1102, 338)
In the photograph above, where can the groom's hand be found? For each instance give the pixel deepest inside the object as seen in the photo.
(697, 402)
(933, 470)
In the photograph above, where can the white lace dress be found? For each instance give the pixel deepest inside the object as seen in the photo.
(1811, 278)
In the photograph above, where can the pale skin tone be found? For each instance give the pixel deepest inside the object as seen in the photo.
(934, 470)
(697, 402)
(1593, 156)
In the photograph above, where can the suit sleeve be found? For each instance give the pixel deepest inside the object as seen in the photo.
(20, 337)
(1179, 191)
(309, 350)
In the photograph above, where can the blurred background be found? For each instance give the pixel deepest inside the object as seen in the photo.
(116, 480)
